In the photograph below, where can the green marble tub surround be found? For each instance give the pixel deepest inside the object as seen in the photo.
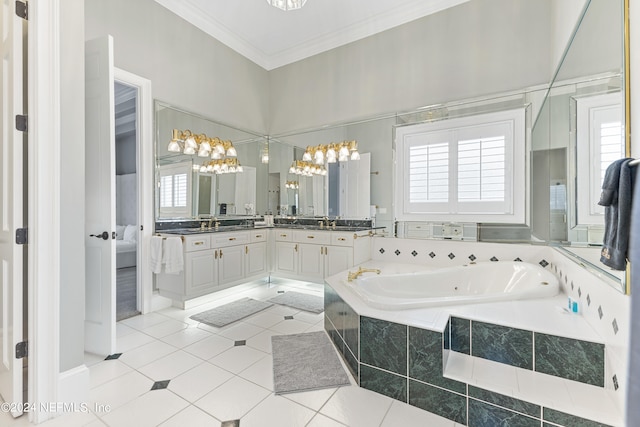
(507, 402)
(383, 344)
(482, 414)
(441, 402)
(447, 335)
(502, 344)
(333, 307)
(568, 420)
(460, 335)
(426, 359)
(568, 358)
(351, 331)
(383, 382)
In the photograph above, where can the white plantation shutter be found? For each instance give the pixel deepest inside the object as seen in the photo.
(166, 191)
(174, 191)
(462, 169)
(180, 190)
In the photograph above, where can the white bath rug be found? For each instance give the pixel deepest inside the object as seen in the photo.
(306, 302)
(232, 312)
(304, 362)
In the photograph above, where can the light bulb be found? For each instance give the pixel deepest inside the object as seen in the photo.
(189, 150)
(306, 157)
(355, 155)
(231, 152)
(190, 142)
(174, 147)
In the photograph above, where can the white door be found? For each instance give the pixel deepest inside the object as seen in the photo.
(12, 213)
(100, 297)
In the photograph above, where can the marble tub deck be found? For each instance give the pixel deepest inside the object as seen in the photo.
(541, 316)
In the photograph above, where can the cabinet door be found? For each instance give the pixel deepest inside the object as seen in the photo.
(286, 257)
(200, 272)
(256, 258)
(311, 261)
(337, 258)
(231, 264)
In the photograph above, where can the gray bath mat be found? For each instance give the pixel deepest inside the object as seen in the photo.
(306, 302)
(303, 362)
(229, 313)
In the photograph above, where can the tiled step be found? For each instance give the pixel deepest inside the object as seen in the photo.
(514, 388)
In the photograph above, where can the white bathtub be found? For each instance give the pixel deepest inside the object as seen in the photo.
(469, 284)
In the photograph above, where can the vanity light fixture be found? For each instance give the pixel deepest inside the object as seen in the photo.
(219, 166)
(287, 4)
(304, 168)
(330, 153)
(264, 154)
(187, 142)
(293, 185)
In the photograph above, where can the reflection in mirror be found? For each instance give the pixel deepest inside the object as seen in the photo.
(578, 133)
(183, 191)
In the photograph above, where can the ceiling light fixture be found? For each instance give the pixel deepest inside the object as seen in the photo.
(287, 4)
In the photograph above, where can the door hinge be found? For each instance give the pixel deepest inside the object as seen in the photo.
(21, 236)
(22, 10)
(21, 122)
(22, 350)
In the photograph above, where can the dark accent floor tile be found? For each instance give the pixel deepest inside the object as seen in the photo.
(494, 259)
(438, 401)
(288, 317)
(484, 415)
(239, 343)
(460, 335)
(232, 423)
(568, 420)
(575, 360)
(502, 344)
(505, 401)
(113, 356)
(388, 384)
(160, 385)
(383, 344)
(281, 292)
(432, 255)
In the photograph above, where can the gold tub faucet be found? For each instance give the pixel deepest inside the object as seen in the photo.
(354, 275)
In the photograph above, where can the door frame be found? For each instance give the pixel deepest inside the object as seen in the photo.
(145, 170)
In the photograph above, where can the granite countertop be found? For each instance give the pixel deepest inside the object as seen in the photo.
(220, 229)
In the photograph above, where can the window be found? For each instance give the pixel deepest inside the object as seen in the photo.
(174, 194)
(600, 141)
(465, 169)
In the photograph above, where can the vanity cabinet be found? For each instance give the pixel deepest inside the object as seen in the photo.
(314, 255)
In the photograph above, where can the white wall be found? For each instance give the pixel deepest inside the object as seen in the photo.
(565, 16)
(474, 49)
(72, 271)
(187, 67)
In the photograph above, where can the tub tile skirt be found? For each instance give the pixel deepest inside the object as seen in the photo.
(406, 363)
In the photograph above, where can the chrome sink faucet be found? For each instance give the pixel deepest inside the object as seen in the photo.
(351, 276)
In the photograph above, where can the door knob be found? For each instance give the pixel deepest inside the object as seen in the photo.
(104, 235)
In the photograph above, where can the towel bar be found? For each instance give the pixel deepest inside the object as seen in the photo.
(164, 238)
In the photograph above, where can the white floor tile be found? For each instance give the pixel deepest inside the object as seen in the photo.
(144, 321)
(186, 337)
(197, 382)
(123, 330)
(260, 373)
(312, 399)
(106, 370)
(163, 329)
(233, 399)
(316, 328)
(401, 414)
(308, 317)
(170, 366)
(357, 407)
(140, 356)
(492, 374)
(150, 409)
(119, 391)
(209, 347)
(74, 419)
(241, 331)
(287, 327)
(91, 359)
(264, 319)
(277, 411)
(192, 417)
(322, 421)
(131, 341)
(262, 341)
(237, 359)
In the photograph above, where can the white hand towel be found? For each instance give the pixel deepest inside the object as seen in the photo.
(155, 254)
(172, 255)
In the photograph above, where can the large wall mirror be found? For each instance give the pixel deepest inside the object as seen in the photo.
(185, 191)
(580, 130)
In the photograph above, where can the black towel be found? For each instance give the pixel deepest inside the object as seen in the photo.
(616, 196)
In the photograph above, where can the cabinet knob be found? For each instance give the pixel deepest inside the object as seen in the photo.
(232, 238)
(216, 254)
(296, 248)
(283, 235)
(220, 253)
(342, 239)
(246, 249)
(311, 237)
(258, 236)
(198, 243)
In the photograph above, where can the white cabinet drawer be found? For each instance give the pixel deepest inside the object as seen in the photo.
(284, 235)
(197, 243)
(342, 239)
(314, 237)
(258, 236)
(230, 239)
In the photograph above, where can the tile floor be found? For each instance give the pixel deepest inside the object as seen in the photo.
(214, 380)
